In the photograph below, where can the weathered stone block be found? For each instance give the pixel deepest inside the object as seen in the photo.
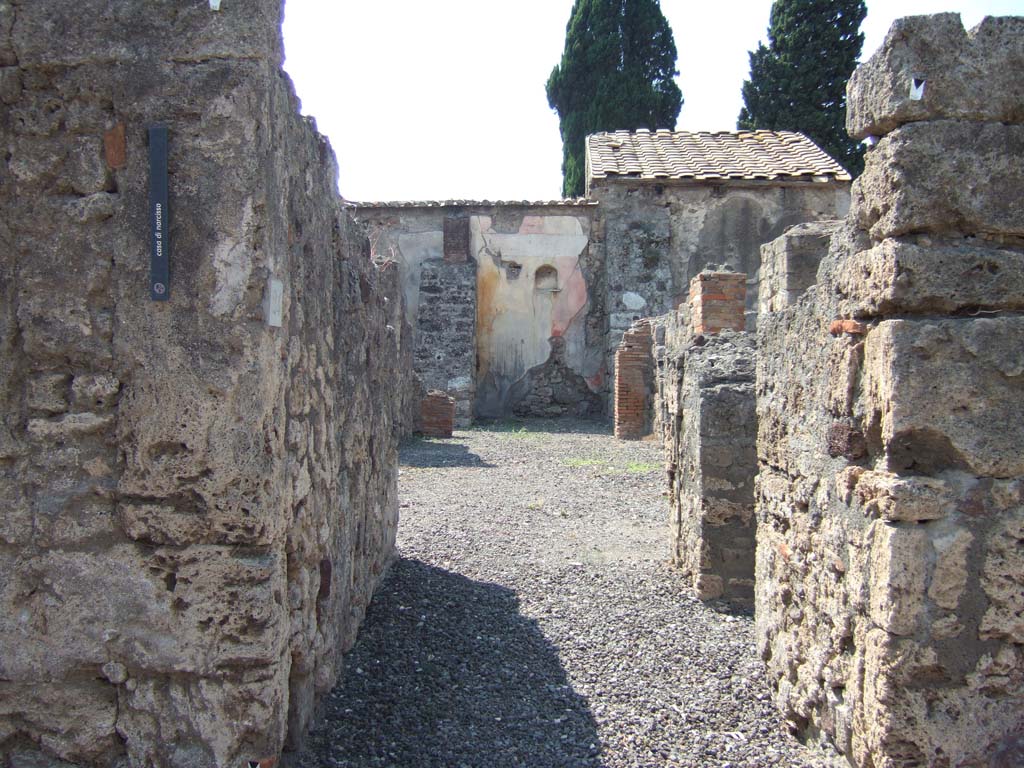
(937, 389)
(95, 391)
(176, 721)
(189, 34)
(906, 498)
(85, 728)
(16, 519)
(69, 426)
(202, 608)
(897, 277)
(948, 581)
(898, 573)
(966, 75)
(49, 392)
(944, 177)
(789, 264)
(1002, 578)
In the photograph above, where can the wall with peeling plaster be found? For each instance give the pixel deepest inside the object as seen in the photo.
(533, 272)
(627, 253)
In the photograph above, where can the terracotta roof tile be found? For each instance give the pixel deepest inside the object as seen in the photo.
(664, 154)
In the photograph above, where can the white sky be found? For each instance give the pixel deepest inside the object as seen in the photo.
(438, 99)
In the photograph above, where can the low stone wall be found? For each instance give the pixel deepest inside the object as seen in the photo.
(890, 574)
(197, 503)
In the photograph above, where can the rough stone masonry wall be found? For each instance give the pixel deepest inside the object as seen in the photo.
(445, 336)
(196, 506)
(890, 559)
(705, 395)
(655, 237)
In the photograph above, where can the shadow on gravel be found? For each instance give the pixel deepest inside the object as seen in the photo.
(435, 453)
(447, 672)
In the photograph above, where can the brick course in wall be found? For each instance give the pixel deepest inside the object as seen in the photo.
(634, 371)
(717, 301)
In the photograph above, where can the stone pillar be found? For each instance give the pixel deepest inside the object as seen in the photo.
(713, 463)
(717, 301)
(706, 396)
(634, 383)
(890, 560)
(789, 264)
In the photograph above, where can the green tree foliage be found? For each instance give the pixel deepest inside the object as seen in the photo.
(617, 72)
(798, 83)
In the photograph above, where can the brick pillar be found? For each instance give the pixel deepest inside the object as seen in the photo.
(717, 301)
(437, 414)
(634, 368)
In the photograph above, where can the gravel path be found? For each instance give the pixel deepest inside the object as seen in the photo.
(532, 621)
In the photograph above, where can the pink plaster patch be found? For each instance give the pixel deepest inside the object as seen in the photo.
(532, 225)
(571, 299)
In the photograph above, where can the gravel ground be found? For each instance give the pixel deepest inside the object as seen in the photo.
(532, 620)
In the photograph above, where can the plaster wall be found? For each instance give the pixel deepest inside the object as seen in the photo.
(533, 274)
(530, 288)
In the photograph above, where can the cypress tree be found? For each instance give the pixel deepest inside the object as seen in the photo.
(798, 83)
(617, 72)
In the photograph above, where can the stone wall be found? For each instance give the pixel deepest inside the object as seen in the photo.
(197, 505)
(656, 237)
(705, 402)
(890, 575)
(445, 333)
(553, 390)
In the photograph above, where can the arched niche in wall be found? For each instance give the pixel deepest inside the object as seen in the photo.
(546, 279)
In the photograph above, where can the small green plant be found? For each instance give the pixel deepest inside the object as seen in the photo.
(574, 461)
(641, 467)
(535, 505)
(508, 427)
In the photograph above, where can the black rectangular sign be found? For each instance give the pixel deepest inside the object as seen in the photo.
(159, 216)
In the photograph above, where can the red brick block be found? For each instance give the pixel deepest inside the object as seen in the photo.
(634, 370)
(437, 414)
(718, 301)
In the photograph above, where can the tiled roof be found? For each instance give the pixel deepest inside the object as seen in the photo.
(766, 155)
(575, 201)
